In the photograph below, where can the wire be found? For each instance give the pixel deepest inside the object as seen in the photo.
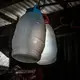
(43, 2)
(60, 26)
(38, 2)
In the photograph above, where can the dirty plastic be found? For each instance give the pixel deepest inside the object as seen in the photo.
(49, 54)
(29, 37)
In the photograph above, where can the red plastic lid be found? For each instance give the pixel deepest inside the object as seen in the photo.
(46, 19)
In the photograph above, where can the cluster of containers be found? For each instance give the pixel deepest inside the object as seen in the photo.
(34, 40)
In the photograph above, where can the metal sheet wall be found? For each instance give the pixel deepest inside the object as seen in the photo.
(68, 56)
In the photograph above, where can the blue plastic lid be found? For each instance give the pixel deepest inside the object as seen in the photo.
(35, 9)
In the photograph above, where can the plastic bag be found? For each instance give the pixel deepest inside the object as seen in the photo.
(49, 53)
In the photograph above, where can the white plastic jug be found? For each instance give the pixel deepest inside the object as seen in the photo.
(29, 37)
(49, 53)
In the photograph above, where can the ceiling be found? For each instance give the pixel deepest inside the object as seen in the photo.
(11, 10)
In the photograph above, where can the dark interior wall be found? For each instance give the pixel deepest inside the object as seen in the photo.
(6, 34)
(68, 56)
(66, 16)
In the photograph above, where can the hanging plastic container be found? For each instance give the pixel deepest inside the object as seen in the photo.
(29, 37)
(49, 53)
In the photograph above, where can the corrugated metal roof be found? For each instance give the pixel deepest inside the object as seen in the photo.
(19, 9)
(4, 22)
